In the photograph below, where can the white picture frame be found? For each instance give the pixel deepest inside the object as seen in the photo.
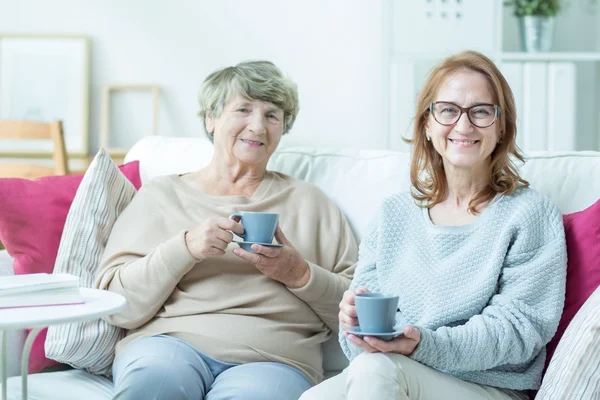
(45, 78)
(105, 113)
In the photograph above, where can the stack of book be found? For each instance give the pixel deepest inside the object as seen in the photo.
(33, 290)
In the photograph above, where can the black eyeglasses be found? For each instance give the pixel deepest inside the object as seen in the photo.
(480, 115)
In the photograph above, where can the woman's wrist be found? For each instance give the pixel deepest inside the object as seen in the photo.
(303, 276)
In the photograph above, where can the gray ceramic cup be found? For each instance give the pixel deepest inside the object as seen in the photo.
(376, 312)
(259, 227)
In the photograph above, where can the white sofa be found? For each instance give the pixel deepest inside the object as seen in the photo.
(357, 180)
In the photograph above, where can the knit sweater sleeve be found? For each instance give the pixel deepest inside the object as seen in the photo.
(364, 276)
(330, 276)
(138, 263)
(523, 314)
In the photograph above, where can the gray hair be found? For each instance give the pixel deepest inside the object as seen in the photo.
(253, 80)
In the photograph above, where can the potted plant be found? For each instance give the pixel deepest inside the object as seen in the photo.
(536, 22)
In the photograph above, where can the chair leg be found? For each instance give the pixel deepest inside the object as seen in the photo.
(60, 152)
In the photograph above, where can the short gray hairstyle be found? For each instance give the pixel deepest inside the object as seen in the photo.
(253, 80)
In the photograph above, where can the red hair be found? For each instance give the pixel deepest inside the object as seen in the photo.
(427, 171)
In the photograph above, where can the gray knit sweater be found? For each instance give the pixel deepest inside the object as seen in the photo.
(486, 297)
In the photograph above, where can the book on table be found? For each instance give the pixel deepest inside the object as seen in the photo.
(33, 290)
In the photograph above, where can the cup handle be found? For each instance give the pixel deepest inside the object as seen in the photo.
(242, 235)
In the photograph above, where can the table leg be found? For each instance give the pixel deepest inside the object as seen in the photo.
(4, 355)
(25, 359)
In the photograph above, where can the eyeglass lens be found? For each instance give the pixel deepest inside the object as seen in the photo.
(481, 116)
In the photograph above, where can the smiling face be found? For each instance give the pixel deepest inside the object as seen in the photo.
(247, 131)
(463, 145)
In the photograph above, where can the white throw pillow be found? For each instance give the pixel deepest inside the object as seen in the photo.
(103, 194)
(574, 371)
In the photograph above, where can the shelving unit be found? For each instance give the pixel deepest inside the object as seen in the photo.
(420, 33)
(551, 56)
(578, 55)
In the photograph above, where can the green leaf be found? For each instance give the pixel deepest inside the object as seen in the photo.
(545, 8)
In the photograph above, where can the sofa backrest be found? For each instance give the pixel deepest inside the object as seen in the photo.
(358, 180)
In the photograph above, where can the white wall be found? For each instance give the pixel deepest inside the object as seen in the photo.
(332, 49)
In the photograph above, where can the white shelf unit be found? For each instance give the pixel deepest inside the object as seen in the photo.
(419, 33)
(551, 56)
(572, 78)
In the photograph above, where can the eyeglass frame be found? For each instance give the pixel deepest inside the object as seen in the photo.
(466, 110)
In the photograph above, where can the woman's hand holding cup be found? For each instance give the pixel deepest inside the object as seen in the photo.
(405, 343)
(211, 237)
(347, 315)
(283, 264)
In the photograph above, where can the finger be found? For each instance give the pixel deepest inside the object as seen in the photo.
(348, 322)
(215, 252)
(349, 310)
(225, 236)
(380, 345)
(347, 297)
(252, 258)
(271, 252)
(400, 344)
(412, 333)
(346, 319)
(218, 242)
(351, 299)
(230, 225)
(361, 343)
(280, 237)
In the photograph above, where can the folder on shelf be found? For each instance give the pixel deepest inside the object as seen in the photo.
(31, 290)
(561, 106)
(545, 97)
(535, 106)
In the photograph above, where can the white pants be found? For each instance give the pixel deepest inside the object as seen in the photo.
(386, 376)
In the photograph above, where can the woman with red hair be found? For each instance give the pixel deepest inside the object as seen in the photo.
(477, 258)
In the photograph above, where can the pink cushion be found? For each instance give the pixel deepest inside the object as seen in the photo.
(582, 231)
(32, 217)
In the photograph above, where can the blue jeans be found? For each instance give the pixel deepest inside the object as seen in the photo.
(164, 367)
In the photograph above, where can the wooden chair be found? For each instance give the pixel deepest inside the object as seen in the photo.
(13, 129)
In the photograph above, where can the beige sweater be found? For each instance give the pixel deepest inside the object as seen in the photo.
(224, 306)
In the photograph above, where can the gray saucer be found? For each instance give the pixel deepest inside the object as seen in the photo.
(248, 245)
(387, 336)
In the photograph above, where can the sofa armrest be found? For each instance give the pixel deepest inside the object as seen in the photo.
(16, 338)
(334, 360)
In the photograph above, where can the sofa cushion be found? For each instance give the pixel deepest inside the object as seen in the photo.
(565, 177)
(573, 371)
(582, 232)
(72, 384)
(102, 195)
(356, 180)
(568, 178)
(32, 217)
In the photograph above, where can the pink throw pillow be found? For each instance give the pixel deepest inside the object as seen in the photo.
(32, 217)
(582, 231)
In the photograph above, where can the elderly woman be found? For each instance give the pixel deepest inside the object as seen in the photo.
(476, 257)
(205, 318)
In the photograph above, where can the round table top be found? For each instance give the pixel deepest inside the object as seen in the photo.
(98, 303)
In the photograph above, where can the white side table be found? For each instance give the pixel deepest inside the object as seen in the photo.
(98, 303)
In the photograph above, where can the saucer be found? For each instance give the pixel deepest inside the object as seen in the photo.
(355, 330)
(248, 245)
